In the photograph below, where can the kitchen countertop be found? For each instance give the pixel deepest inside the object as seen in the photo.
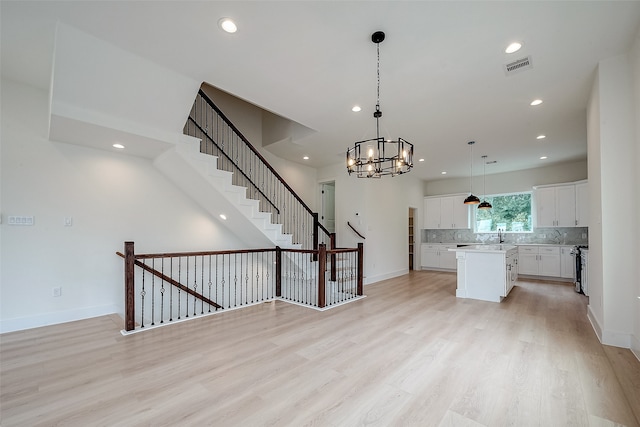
(501, 248)
(493, 244)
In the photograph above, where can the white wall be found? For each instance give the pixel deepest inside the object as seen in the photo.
(112, 197)
(615, 149)
(596, 305)
(635, 73)
(378, 209)
(510, 182)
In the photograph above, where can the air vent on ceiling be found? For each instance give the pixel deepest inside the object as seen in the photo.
(518, 65)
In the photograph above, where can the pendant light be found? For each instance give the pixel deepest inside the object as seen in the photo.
(377, 157)
(471, 199)
(484, 204)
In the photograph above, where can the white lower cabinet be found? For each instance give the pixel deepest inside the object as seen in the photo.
(438, 256)
(539, 260)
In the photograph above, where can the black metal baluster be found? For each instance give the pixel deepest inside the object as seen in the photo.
(162, 293)
(153, 292)
(142, 295)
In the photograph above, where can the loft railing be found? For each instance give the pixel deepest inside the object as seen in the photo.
(168, 287)
(220, 138)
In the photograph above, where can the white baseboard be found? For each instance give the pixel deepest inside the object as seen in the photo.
(374, 279)
(635, 346)
(594, 323)
(21, 323)
(607, 337)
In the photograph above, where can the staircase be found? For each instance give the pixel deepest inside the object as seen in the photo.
(198, 176)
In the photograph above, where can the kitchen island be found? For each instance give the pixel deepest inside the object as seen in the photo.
(486, 272)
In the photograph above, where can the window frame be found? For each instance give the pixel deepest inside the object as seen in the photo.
(475, 212)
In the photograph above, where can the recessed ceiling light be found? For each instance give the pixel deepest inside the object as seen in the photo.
(541, 137)
(227, 25)
(305, 158)
(543, 157)
(223, 216)
(443, 172)
(356, 108)
(536, 102)
(421, 160)
(118, 146)
(513, 47)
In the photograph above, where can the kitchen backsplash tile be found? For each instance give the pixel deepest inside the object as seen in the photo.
(557, 236)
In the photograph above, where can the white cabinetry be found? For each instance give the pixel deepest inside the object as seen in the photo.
(567, 262)
(438, 256)
(511, 271)
(556, 206)
(564, 205)
(582, 204)
(446, 212)
(539, 260)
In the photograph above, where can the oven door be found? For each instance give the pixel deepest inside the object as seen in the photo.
(577, 269)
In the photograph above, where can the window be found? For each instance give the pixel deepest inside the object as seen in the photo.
(510, 213)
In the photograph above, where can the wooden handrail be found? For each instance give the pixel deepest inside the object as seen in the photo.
(262, 159)
(173, 282)
(355, 231)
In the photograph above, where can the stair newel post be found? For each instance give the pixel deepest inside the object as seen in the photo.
(316, 224)
(332, 240)
(360, 290)
(322, 265)
(129, 287)
(278, 271)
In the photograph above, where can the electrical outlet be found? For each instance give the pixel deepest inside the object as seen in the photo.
(68, 221)
(543, 236)
(584, 235)
(458, 235)
(57, 291)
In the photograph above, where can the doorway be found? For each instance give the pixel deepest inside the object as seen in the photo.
(411, 239)
(328, 205)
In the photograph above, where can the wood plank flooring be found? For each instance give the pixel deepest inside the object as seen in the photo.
(410, 354)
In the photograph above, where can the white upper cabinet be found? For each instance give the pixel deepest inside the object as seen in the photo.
(556, 206)
(446, 212)
(432, 212)
(582, 204)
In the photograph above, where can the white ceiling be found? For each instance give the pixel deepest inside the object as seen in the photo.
(442, 79)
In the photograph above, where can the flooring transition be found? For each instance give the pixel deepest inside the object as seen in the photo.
(410, 354)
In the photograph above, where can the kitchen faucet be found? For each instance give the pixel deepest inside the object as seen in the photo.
(500, 236)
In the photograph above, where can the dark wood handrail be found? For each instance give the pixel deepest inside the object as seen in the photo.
(201, 253)
(262, 159)
(354, 230)
(171, 281)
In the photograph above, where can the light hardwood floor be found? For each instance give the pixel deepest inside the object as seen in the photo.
(410, 354)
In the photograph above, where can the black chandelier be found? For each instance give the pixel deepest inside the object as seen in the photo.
(373, 158)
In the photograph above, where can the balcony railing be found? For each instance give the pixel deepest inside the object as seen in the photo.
(169, 287)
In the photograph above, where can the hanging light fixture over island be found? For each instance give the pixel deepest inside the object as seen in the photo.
(471, 199)
(374, 158)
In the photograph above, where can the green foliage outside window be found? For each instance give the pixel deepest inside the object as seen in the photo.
(510, 213)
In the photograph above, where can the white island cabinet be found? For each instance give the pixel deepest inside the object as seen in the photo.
(486, 272)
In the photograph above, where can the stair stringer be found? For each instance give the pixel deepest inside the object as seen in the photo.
(198, 176)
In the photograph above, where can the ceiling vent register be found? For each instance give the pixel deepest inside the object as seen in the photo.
(518, 65)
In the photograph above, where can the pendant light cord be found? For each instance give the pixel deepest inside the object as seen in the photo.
(377, 114)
